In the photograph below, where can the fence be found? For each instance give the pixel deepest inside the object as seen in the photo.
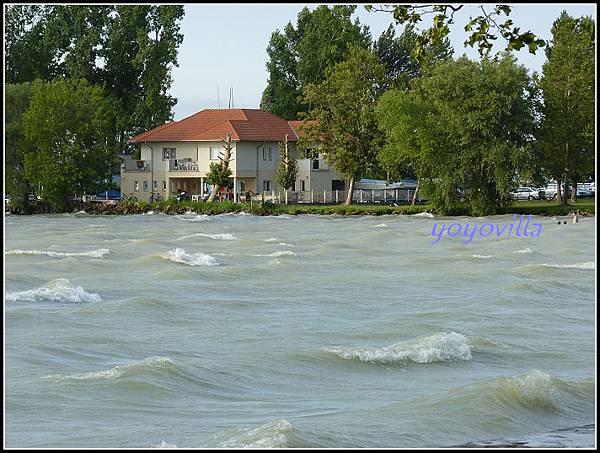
(337, 196)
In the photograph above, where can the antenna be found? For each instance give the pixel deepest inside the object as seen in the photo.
(232, 98)
(229, 105)
(218, 97)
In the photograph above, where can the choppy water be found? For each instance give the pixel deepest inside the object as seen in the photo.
(242, 331)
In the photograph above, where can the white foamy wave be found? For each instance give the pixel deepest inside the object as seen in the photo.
(191, 259)
(80, 213)
(163, 444)
(93, 253)
(429, 215)
(588, 265)
(269, 435)
(58, 290)
(482, 257)
(440, 347)
(196, 218)
(221, 237)
(118, 371)
(381, 225)
(272, 240)
(525, 250)
(536, 387)
(280, 253)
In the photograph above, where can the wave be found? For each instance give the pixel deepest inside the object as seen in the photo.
(222, 236)
(274, 434)
(196, 218)
(429, 215)
(588, 265)
(381, 225)
(163, 444)
(191, 259)
(150, 363)
(58, 290)
(281, 253)
(93, 253)
(272, 240)
(439, 347)
(482, 257)
(525, 250)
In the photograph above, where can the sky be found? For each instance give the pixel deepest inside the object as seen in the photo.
(226, 44)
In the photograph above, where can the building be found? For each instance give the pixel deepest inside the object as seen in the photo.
(177, 155)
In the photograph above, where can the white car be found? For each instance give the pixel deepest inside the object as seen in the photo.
(527, 193)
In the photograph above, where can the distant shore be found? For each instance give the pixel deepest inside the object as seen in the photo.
(543, 208)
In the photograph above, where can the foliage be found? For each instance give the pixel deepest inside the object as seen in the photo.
(128, 49)
(567, 134)
(218, 174)
(466, 131)
(483, 29)
(300, 55)
(342, 120)
(287, 169)
(396, 53)
(69, 146)
(17, 99)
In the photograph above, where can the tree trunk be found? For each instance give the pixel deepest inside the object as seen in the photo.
(574, 193)
(213, 193)
(558, 191)
(414, 200)
(566, 176)
(350, 192)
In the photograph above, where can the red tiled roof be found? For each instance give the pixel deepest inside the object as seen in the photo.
(214, 124)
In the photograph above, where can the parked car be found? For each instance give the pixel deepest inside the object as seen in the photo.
(527, 193)
(584, 193)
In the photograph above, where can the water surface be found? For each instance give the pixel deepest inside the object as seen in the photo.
(307, 331)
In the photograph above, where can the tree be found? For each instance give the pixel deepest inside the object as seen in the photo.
(300, 55)
(69, 146)
(220, 172)
(483, 29)
(129, 50)
(342, 120)
(287, 170)
(17, 99)
(396, 54)
(465, 130)
(567, 130)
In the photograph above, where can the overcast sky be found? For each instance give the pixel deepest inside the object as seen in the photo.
(226, 44)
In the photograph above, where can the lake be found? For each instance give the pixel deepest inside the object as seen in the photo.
(296, 331)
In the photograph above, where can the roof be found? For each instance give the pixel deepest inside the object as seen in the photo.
(214, 124)
(297, 126)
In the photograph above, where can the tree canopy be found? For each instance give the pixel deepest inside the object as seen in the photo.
(465, 130)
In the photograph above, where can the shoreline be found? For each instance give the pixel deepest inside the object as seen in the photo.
(172, 207)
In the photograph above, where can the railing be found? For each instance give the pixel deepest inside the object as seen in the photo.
(388, 196)
(183, 165)
(137, 165)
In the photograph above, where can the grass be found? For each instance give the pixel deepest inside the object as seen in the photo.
(171, 206)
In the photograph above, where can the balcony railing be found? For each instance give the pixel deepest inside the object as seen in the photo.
(183, 165)
(137, 165)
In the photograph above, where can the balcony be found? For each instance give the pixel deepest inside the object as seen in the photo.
(136, 165)
(183, 165)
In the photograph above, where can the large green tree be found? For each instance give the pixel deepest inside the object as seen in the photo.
(300, 55)
(17, 99)
(465, 130)
(396, 53)
(129, 50)
(69, 146)
(567, 130)
(342, 118)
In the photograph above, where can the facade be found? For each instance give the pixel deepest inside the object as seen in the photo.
(177, 156)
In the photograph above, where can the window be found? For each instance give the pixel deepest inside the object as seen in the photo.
(315, 164)
(214, 153)
(267, 153)
(337, 184)
(164, 185)
(155, 185)
(136, 186)
(266, 186)
(302, 186)
(145, 186)
(169, 153)
(242, 186)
